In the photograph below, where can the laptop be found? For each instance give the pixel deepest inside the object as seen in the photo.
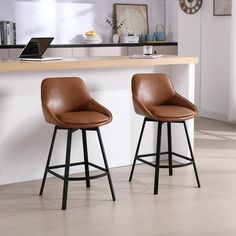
(35, 48)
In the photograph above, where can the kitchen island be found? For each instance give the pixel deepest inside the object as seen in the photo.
(25, 136)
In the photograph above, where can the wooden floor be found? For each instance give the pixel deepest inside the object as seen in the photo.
(180, 209)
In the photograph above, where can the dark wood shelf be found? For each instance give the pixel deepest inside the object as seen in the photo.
(154, 43)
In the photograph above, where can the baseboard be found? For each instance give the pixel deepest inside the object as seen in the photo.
(213, 115)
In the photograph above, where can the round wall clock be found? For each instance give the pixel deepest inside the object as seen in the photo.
(190, 6)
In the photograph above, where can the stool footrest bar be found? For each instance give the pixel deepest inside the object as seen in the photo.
(49, 170)
(56, 174)
(77, 164)
(77, 178)
(63, 165)
(190, 161)
(85, 178)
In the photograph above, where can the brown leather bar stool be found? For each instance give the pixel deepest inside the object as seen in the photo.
(66, 103)
(155, 98)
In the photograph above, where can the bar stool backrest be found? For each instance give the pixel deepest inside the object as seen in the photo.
(152, 89)
(63, 94)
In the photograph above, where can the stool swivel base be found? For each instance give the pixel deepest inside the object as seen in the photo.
(66, 178)
(170, 153)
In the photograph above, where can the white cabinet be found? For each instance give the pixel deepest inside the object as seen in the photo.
(59, 52)
(14, 53)
(107, 51)
(99, 51)
(167, 50)
(135, 50)
(4, 54)
(80, 52)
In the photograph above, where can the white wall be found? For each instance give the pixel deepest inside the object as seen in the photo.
(67, 20)
(232, 83)
(186, 30)
(171, 20)
(215, 64)
(207, 37)
(189, 38)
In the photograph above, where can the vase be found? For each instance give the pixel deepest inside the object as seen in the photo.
(115, 38)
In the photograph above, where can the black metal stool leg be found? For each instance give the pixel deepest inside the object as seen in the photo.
(158, 151)
(48, 161)
(191, 152)
(86, 165)
(67, 169)
(106, 164)
(137, 149)
(169, 148)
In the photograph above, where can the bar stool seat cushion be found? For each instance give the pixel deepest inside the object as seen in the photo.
(171, 113)
(83, 119)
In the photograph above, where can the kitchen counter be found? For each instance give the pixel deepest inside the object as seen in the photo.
(93, 62)
(25, 136)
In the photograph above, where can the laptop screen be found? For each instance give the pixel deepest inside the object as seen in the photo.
(36, 47)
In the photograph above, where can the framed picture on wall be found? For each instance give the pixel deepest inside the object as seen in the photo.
(222, 7)
(136, 18)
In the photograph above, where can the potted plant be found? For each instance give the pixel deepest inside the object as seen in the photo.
(116, 25)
